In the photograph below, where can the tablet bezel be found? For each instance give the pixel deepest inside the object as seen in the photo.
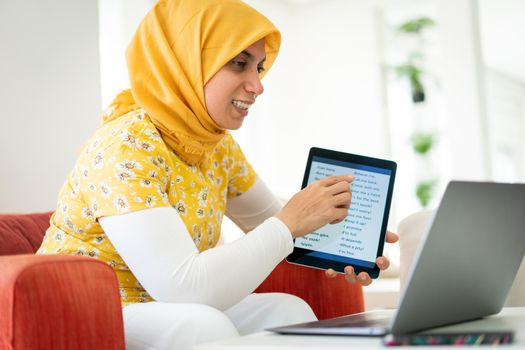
(300, 256)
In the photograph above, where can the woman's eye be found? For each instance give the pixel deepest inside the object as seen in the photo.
(239, 64)
(243, 65)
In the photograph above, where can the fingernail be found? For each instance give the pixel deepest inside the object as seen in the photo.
(363, 278)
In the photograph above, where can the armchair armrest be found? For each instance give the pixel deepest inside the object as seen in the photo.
(327, 297)
(59, 302)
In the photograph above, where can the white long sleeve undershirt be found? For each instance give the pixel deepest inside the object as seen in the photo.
(254, 206)
(158, 249)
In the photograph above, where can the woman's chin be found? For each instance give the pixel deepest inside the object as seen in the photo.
(235, 123)
(235, 126)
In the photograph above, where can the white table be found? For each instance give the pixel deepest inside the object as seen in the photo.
(508, 319)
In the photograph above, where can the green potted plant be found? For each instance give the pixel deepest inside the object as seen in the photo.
(416, 25)
(422, 141)
(413, 73)
(425, 191)
(411, 70)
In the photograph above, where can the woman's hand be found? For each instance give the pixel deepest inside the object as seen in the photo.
(382, 262)
(322, 202)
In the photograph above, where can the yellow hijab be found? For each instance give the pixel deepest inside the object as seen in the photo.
(175, 51)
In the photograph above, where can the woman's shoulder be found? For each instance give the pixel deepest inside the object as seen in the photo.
(133, 133)
(136, 123)
(228, 146)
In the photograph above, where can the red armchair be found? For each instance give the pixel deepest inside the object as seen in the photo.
(53, 302)
(64, 302)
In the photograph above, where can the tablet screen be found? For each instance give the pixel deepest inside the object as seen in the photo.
(358, 239)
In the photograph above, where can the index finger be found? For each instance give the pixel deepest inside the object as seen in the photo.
(331, 180)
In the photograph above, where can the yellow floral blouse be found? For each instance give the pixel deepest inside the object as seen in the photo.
(125, 166)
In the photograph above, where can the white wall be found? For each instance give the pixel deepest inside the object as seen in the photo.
(118, 20)
(506, 112)
(49, 96)
(463, 90)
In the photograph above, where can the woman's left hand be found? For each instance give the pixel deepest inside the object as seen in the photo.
(382, 262)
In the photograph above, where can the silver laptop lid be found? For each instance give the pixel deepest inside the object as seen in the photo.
(467, 262)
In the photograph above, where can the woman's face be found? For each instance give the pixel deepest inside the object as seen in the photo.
(232, 90)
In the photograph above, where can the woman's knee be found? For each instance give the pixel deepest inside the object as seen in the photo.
(266, 310)
(174, 326)
(295, 308)
(211, 319)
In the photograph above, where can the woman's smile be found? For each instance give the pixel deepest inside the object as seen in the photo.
(242, 106)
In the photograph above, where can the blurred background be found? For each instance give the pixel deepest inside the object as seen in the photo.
(436, 85)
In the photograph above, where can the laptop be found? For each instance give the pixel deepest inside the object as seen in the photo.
(463, 269)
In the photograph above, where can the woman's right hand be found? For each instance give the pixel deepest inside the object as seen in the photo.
(322, 202)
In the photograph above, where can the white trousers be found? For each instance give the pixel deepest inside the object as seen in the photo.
(157, 325)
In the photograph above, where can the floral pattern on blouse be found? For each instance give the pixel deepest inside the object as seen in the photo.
(124, 167)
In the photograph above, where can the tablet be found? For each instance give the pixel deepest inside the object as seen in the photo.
(358, 239)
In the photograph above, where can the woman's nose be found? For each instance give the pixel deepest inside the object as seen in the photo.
(254, 84)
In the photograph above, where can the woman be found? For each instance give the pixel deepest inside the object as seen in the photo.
(150, 188)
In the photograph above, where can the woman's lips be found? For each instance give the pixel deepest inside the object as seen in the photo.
(242, 106)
